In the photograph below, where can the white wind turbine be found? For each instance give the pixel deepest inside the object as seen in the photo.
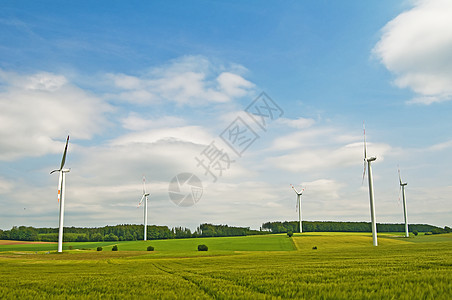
(368, 160)
(299, 205)
(402, 188)
(61, 195)
(145, 198)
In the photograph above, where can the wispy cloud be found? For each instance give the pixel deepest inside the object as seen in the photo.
(299, 123)
(190, 80)
(136, 122)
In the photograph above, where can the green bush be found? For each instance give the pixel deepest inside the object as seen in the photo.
(115, 248)
(99, 248)
(150, 248)
(289, 233)
(415, 232)
(202, 248)
(428, 233)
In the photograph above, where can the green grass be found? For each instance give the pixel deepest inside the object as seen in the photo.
(276, 242)
(344, 266)
(240, 243)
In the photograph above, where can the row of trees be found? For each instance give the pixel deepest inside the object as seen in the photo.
(129, 232)
(328, 226)
(124, 232)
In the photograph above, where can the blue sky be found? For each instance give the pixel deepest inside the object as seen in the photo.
(143, 88)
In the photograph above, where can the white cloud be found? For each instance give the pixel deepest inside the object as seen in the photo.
(327, 158)
(38, 110)
(324, 148)
(416, 47)
(190, 80)
(299, 123)
(137, 123)
(441, 146)
(322, 189)
(233, 85)
(191, 134)
(6, 186)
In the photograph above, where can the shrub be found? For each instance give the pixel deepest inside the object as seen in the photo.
(314, 248)
(415, 232)
(202, 248)
(150, 248)
(99, 248)
(289, 233)
(428, 233)
(115, 248)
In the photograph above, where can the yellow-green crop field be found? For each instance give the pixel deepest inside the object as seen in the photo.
(344, 266)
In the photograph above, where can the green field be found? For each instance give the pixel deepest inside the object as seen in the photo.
(344, 266)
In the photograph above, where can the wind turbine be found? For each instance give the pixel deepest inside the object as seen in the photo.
(299, 205)
(402, 187)
(61, 194)
(368, 160)
(145, 198)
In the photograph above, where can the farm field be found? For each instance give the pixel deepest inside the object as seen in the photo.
(344, 266)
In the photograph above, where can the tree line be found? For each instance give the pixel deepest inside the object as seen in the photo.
(125, 232)
(130, 232)
(329, 226)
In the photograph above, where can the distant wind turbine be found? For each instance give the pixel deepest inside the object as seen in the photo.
(61, 195)
(402, 188)
(299, 205)
(368, 160)
(145, 198)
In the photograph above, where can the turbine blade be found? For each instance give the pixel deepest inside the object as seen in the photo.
(365, 146)
(63, 161)
(141, 201)
(364, 173)
(144, 185)
(400, 178)
(294, 189)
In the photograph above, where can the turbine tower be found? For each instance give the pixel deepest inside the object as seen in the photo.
(402, 187)
(145, 198)
(368, 160)
(299, 205)
(61, 195)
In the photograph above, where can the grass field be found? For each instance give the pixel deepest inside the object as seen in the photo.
(344, 266)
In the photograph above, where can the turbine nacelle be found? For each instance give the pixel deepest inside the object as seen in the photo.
(400, 179)
(62, 170)
(298, 193)
(372, 158)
